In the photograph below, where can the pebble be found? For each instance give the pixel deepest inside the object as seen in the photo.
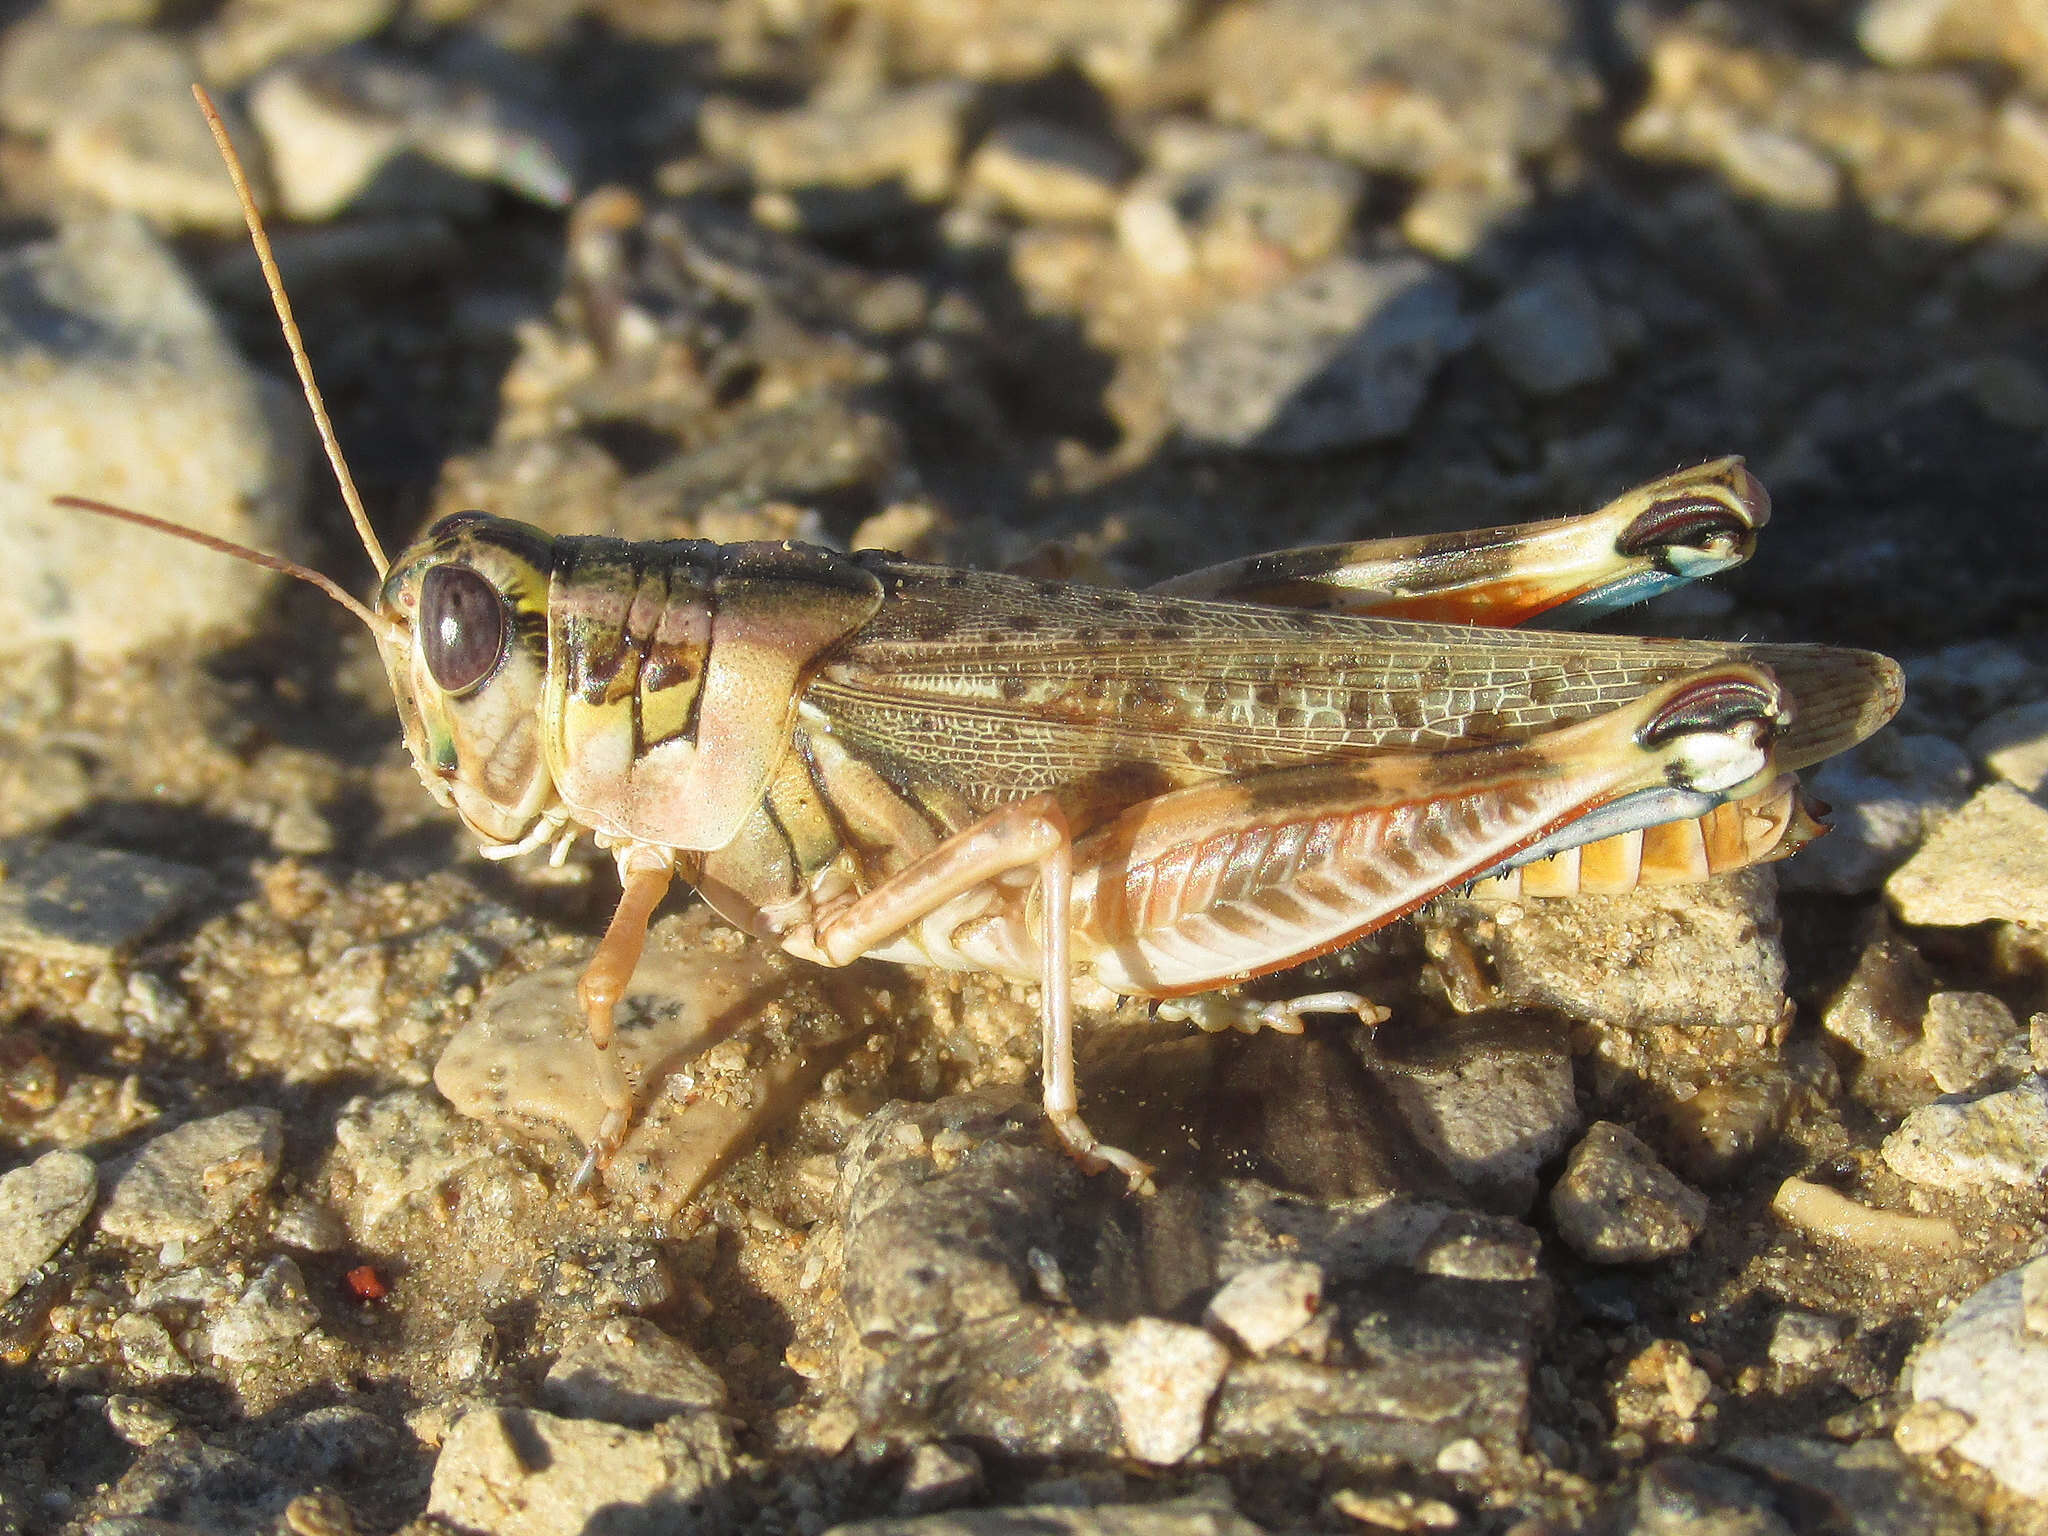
(117, 381)
(1867, 1487)
(1988, 861)
(1801, 1338)
(1883, 799)
(1616, 1204)
(2013, 745)
(1966, 1037)
(1114, 43)
(1929, 1428)
(245, 36)
(128, 134)
(1986, 1363)
(86, 906)
(309, 1227)
(1161, 1377)
(1780, 168)
(1965, 682)
(1339, 356)
(1400, 87)
(625, 1370)
(1881, 1008)
(1676, 955)
(41, 1205)
(910, 137)
(517, 1472)
(1549, 336)
(188, 1183)
(1046, 172)
(2000, 1138)
(1264, 1306)
(147, 1347)
(404, 1149)
(1489, 1096)
(1679, 1497)
(1071, 1507)
(938, 1475)
(2034, 1295)
(272, 1313)
(1901, 32)
(1254, 206)
(322, 154)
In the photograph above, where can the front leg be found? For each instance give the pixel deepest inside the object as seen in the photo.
(644, 875)
(1031, 832)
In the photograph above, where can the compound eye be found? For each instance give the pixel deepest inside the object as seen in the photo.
(462, 627)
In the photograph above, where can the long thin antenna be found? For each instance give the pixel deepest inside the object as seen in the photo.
(292, 337)
(382, 627)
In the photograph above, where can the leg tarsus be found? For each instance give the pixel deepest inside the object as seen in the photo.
(1213, 1012)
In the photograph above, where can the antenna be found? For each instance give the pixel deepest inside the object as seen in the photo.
(300, 362)
(381, 627)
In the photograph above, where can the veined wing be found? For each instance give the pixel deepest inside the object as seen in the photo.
(999, 686)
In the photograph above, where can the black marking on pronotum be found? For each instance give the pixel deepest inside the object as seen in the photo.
(1715, 704)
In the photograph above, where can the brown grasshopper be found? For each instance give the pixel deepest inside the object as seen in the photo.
(861, 755)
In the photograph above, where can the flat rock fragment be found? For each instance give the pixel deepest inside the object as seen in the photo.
(190, 1181)
(1339, 356)
(721, 1036)
(1418, 90)
(64, 901)
(1989, 861)
(41, 1205)
(625, 1370)
(1867, 1486)
(117, 381)
(1177, 1517)
(1490, 1096)
(2013, 745)
(126, 133)
(516, 1472)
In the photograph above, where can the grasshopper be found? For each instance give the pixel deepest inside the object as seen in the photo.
(861, 755)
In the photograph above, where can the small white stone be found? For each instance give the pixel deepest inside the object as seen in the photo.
(1263, 1306)
(1985, 1363)
(271, 1314)
(1800, 1338)
(1926, 1429)
(2000, 1138)
(1162, 1376)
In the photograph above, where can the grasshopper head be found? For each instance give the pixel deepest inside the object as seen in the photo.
(466, 652)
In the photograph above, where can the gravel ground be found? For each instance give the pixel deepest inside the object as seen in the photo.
(1699, 1211)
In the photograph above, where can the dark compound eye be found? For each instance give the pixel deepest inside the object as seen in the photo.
(462, 627)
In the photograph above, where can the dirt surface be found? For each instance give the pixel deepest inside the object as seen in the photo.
(1090, 292)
